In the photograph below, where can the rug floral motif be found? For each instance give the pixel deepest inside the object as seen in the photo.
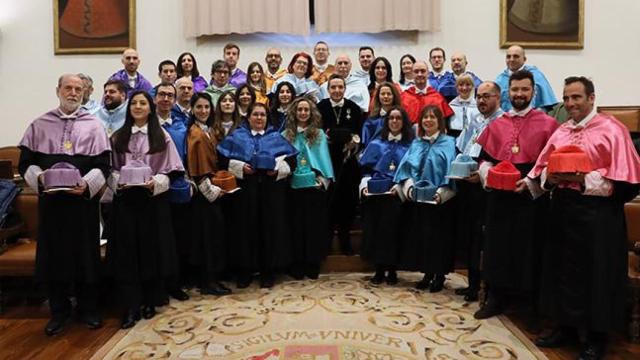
(338, 317)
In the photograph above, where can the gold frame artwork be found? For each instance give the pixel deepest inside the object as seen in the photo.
(555, 34)
(106, 27)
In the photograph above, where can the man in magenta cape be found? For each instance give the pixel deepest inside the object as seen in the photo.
(585, 263)
(513, 218)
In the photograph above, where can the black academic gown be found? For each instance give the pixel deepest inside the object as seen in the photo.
(515, 223)
(339, 125)
(584, 279)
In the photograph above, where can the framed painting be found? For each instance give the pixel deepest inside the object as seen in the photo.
(93, 27)
(542, 24)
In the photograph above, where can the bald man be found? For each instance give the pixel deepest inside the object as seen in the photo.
(130, 75)
(420, 94)
(447, 86)
(543, 97)
(355, 91)
(182, 109)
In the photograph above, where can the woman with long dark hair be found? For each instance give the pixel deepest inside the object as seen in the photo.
(186, 66)
(208, 243)
(284, 95)
(226, 117)
(142, 251)
(257, 82)
(382, 213)
(406, 71)
(386, 97)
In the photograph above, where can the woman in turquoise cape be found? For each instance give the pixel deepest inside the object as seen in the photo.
(309, 183)
(428, 246)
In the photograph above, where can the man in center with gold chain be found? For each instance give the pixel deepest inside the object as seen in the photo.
(515, 218)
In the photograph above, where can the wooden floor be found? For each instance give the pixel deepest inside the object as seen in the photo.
(22, 337)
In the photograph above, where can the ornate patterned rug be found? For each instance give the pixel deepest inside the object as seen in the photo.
(338, 317)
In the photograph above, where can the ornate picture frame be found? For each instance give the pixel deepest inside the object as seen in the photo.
(542, 24)
(96, 27)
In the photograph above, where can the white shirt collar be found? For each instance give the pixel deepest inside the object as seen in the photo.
(254, 132)
(432, 138)
(165, 121)
(301, 129)
(511, 72)
(184, 109)
(392, 137)
(71, 116)
(521, 113)
(586, 119)
(322, 68)
(135, 129)
(339, 103)
(419, 91)
(203, 126)
(383, 112)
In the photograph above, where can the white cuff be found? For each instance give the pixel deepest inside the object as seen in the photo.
(363, 185)
(543, 179)
(445, 193)
(31, 176)
(95, 181)
(597, 185)
(235, 167)
(161, 184)
(208, 190)
(406, 188)
(483, 171)
(282, 168)
(323, 181)
(534, 188)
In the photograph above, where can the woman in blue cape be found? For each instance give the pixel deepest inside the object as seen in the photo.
(428, 246)
(381, 198)
(386, 96)
(260, 160)
(309, 183)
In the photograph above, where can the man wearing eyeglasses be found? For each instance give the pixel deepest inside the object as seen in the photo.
(179, 191)
(322, 69)
(273, 58)
(471, 197)
(219, 81)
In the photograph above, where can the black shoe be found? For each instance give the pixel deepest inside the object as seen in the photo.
(148, 312)
(93, 321)
(489, 309)
(179, 295)
(243, 281)
(266, 281)
(216, 289)
(130, 318)
(437, 284)
(559, 337)
(392, 277)
(296, 273)
(378, 278)
(424, 283)
(592, 351)
(56, 325)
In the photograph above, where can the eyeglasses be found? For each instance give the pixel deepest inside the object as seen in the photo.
(485, 96)
(166, 94)
(302, 62)
(222, 72)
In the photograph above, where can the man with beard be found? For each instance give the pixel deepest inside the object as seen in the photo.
(274, 72)
(342, 121)
(471, 198)
(543, 96)
(68, 251)
(365, 57)
(585, 264)
(438, 74)
(130, 76)
(515, 219)
(114, 106)
(321, 67)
